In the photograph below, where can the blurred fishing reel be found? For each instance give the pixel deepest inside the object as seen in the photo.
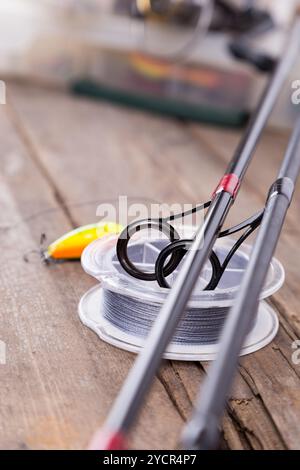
(196, 18)
(177, 11)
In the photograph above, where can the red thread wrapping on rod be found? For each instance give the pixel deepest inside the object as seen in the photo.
(104, 440)
(230, 183)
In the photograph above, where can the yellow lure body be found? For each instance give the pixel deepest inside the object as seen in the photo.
(72, 244)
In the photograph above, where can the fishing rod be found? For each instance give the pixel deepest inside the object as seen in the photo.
(126, 407)
(202, 430)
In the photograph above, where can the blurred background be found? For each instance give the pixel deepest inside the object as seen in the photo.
(201, 60)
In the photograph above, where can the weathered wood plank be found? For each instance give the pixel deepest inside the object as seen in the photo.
(160, 151)
(59, 380)
(83, 215)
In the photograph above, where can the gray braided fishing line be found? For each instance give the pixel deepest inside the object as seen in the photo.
(133, 316)
(199, 325)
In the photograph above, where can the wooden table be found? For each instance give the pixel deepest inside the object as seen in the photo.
(60, 157)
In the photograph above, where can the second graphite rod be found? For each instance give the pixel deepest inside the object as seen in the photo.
(202, 430)
(137, 384)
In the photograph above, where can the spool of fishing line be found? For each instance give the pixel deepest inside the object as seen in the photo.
(122, 309)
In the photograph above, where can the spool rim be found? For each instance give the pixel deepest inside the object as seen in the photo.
(89, 309)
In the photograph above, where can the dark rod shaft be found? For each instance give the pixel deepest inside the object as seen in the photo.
(202, 431)
(143, 371)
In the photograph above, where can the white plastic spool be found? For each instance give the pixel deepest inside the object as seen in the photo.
(100, 261)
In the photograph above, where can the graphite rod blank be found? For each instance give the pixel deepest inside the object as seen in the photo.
(202, 431)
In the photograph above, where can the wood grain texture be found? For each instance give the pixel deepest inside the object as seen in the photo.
(77, 153)
(59, 380)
